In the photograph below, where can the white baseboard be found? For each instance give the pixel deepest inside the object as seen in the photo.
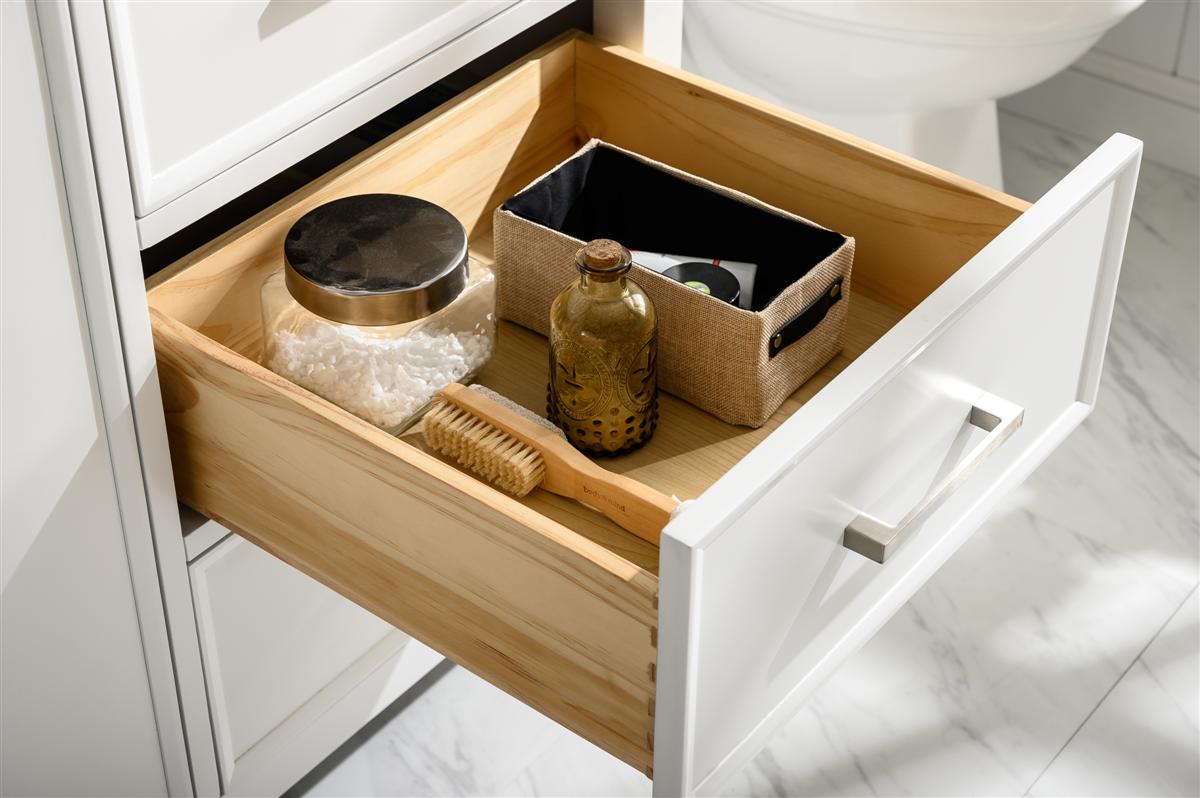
(1102, 95)
(1114, 69)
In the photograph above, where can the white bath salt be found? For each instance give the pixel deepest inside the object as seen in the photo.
(382, 380)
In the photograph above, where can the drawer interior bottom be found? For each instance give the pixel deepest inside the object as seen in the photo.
(690, 449)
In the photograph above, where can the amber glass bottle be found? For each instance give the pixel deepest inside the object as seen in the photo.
(603, 347)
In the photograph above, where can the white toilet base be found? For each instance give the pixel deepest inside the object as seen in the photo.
(917, 76)
(962, 140)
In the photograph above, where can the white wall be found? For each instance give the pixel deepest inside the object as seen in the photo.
(76, 716)
(1142, 78)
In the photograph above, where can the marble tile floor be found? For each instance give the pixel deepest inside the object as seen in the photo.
(1055, 654)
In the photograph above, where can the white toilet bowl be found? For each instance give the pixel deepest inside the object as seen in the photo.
(918, 76)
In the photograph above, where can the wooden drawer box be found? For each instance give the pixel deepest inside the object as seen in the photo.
(679, 660)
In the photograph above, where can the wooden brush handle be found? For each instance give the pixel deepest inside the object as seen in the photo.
(633, 505)
(638, 508)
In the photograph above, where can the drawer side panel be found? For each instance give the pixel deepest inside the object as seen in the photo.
(550, 617)
(893, 205)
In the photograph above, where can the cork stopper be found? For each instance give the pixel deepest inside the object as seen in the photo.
(604, 257)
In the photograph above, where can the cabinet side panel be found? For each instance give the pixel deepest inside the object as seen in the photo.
(78, 715)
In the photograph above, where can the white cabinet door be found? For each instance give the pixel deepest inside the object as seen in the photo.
(204, 85)
(293, 669)
(760, 598)
(77, 716)
(217, 97)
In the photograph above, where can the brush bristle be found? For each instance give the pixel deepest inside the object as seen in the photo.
(475, 444)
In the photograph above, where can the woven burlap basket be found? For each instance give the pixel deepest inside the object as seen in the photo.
(737, 364)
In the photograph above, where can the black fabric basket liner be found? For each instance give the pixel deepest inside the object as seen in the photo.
(604, 193)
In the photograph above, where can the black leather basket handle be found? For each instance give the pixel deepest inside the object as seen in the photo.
(812, 315)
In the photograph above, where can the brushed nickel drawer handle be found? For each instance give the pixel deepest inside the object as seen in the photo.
(875, 539)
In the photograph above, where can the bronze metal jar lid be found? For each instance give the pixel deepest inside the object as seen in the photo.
(376, 259)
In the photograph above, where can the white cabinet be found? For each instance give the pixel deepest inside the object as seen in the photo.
(204, 85)
(976, 332)
(268, 742)
(217, 97)
(76, 712)
(680, 660)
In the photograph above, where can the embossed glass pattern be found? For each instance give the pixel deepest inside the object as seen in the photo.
(603, 389)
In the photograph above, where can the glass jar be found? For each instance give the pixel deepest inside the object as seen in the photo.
(377, 308)
(603, 389)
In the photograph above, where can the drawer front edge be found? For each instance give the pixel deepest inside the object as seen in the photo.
(761, 601)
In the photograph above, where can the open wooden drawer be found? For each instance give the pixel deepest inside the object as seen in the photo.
(971, 309)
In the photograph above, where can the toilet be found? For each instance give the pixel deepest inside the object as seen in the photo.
(920, 77)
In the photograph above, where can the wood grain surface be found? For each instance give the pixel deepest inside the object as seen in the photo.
(691, 449)
(565, 471)
(914, 224)
(534, 608)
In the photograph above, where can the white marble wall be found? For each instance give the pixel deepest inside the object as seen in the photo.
(1055, 654)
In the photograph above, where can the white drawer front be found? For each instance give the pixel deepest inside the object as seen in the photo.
(204, 85)
(759, 598)
(271, 639)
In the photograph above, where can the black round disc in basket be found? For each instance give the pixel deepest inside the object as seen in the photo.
(707, 278)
